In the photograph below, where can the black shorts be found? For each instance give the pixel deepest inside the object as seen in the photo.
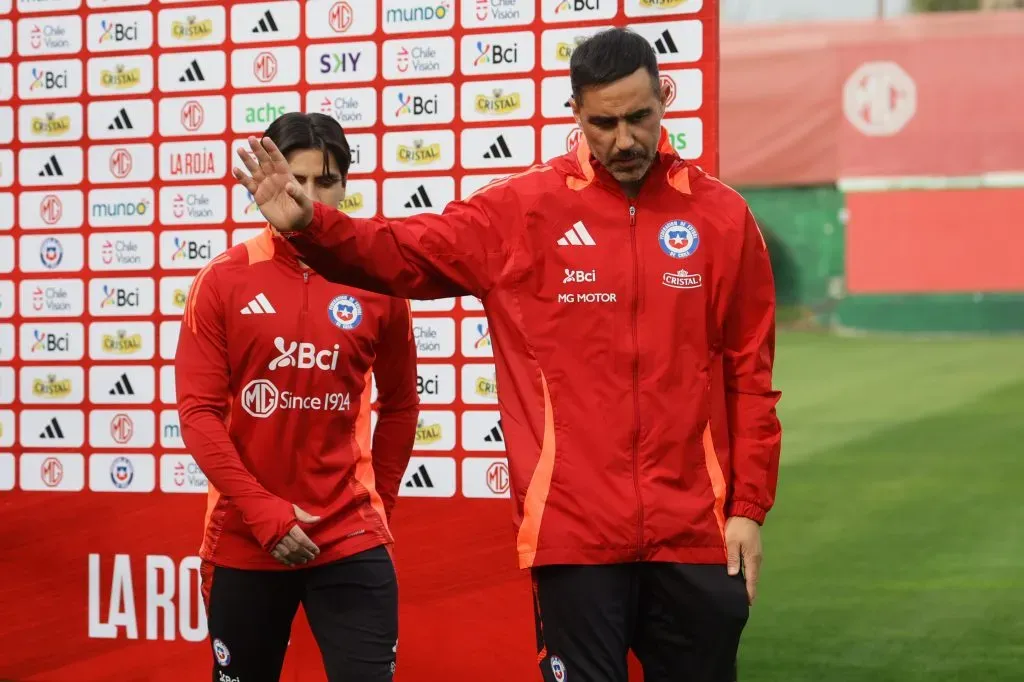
(683, 621)
(352, 607)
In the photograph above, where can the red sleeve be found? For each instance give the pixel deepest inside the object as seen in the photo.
(426, 256)
(201, 372)
(755, 434)
(397, 403)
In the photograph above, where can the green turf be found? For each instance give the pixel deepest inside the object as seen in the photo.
(895, 551)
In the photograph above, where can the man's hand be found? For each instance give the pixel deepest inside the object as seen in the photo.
(271, 183)
(296, 547)
(743, 541)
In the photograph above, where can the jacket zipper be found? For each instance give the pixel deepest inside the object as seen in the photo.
(636, 384)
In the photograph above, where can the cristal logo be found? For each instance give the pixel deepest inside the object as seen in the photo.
(421, 13)
(259, 398)
(303, 356)
(579, 276)
(661, 4)
(340, 17)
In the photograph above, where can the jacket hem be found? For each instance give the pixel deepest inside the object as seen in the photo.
(619, 555)
(254, 562)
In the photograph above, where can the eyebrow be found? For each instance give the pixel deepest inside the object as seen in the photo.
(330, 176)
(639, 113)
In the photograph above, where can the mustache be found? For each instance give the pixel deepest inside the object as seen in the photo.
(632, 155)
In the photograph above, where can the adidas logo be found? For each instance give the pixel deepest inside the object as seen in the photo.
(577, 235)
(499, 150)
(496, 435)
(121, 121)
(122, 387)
(420, 479)
(52, 430)
(52, 167)
(259, 306)
(665, 44)
(192, 74)
(266, 24)
(420, 199)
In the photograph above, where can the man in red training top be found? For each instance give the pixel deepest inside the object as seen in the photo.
(631, 305)
(273, 379)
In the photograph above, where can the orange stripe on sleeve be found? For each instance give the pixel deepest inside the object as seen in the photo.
(717, 479)
(364, 463)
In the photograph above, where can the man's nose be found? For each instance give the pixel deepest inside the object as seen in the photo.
(624, 137)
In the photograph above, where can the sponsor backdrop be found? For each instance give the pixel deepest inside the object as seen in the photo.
(118, 125)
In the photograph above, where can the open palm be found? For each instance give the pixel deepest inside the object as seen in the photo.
(271, 183)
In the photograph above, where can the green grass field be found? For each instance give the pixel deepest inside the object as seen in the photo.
(895, 551)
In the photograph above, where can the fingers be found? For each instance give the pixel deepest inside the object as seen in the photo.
(281, 554)
(275, 155)
(296, 552)
(301, 514)
(249, 160)
(752, 568)
(249, 183)
(299, 536)
(733, 556)
(261, 154)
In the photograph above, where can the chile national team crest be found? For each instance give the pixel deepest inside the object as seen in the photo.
(558, 669)
(220, 650)
(345, 312)
(678, 238)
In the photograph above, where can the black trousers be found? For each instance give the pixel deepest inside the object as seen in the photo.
(683, 621)
(352, 606)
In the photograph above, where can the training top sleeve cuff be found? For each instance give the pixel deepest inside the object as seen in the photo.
(748, 510)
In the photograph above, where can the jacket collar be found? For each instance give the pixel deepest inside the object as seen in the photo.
(588, 169)
(270, 245)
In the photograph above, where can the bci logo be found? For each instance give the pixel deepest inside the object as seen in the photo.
(46, 342)
(414, 105)
(495, 54)
(577, 5)
(48, 80)
(115, 31)
(119, 298)
(187, 249)
(428, 385)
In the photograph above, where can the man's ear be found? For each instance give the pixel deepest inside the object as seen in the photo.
(574, 105)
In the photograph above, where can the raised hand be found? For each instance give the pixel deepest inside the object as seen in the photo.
(270, 181)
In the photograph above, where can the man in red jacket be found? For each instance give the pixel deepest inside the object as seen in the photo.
(273, 379)
(631, 306)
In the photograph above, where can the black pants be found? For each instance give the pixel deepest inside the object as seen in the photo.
(683, 621)
(352, 606)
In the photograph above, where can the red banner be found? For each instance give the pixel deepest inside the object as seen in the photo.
(118, 122)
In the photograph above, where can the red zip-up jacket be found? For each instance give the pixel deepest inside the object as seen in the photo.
(633, 341)
(273, 386)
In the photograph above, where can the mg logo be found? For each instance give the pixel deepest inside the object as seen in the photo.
(192, 115)
(572, 139)
(120, 163)
(264, 67)
(52, 472)
(497, 478)
(259, 398)
(122, 428)
(51, 209)
(340, 17)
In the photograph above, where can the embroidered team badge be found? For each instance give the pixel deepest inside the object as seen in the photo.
(345, 312)
(678, 239)
(220, 650)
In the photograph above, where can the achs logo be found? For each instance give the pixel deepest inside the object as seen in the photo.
(498, 103)
(121, 78)
(303, 355)
(345, 312)
(122, 343)
(121, 470)
(192, 29)
(415, 105)
(681, 280)
(678, 239)
(43, 79)
(418, 154)
(51, 253)
(429, 12)
(51, 125)
(427, 434)
(51, 387)
(579, 276)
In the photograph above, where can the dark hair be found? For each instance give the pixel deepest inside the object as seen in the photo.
(296, 131)
(609, 56)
